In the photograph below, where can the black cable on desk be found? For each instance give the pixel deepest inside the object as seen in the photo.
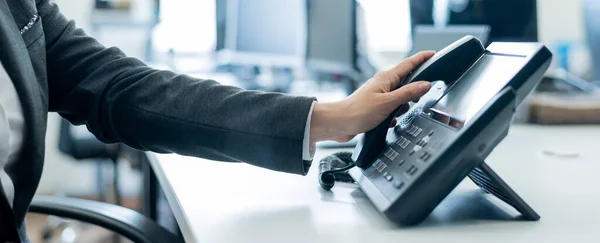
(334, 168)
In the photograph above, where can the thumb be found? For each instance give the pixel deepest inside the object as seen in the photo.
(410, 92)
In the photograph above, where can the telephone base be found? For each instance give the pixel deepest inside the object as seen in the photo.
(484, 177)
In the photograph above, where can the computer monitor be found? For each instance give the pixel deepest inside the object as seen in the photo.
(591, 15)
(265, 32)
(509, 20)
(427, 37)
(221, 21)
(331, 36)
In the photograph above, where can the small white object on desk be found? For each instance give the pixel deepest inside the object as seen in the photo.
(233, 202)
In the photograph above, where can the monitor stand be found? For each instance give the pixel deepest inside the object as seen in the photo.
(490, 182)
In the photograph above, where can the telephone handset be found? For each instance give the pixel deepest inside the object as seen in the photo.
(445, 137)
(446, 66)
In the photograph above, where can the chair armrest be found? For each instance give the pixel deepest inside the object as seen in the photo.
(120, 220)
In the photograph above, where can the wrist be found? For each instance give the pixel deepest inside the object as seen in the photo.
(327, 122)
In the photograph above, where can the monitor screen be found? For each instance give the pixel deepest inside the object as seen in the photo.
(432, 38)
(470, 93)
(221, 22)
(332, 31)
(509, 20)
(270, 26)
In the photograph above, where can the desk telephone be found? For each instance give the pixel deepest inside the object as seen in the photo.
(407, 170)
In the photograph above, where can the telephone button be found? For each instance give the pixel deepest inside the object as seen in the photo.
(412, 170)
(401, 162)
(388, 176)
(412, 130)
(377, 163)
(405, 144)
(418, 132)
(381, 167)
(391, 154)
(425, 156)
(398, 184)
(402, 142)
(416, 149)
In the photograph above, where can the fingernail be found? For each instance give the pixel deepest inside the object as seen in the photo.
(425, 85)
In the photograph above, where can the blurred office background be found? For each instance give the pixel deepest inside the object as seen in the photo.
(322, 48)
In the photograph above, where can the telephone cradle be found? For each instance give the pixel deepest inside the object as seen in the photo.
(408, 170)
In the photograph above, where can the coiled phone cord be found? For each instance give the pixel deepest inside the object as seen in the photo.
(335, 168)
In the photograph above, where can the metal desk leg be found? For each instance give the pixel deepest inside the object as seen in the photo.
(150, 190)
(155, 202)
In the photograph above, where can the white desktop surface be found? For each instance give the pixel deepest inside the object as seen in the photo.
(232, 202)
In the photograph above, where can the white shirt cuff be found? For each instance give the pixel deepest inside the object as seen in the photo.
(308, 149)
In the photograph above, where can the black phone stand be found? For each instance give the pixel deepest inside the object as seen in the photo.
(484, 177)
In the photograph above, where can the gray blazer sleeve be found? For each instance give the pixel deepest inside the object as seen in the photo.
(120, 99)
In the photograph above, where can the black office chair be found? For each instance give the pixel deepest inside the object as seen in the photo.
(84, 146)
(123, 221)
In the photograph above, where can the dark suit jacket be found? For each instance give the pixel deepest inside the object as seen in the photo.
(56, 67)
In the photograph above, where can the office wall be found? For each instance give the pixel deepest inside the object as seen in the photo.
(560, 20)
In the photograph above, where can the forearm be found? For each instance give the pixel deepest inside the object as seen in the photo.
(122, 100)
(329, 122)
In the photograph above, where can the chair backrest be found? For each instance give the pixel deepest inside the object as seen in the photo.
(121, 220)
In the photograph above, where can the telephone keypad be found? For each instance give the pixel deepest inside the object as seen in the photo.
(405, 158)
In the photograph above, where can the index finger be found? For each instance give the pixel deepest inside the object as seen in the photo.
(400, 71)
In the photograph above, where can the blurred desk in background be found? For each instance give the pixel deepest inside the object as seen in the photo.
(554, 168)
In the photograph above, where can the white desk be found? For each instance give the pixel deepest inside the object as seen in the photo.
(222, 202)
